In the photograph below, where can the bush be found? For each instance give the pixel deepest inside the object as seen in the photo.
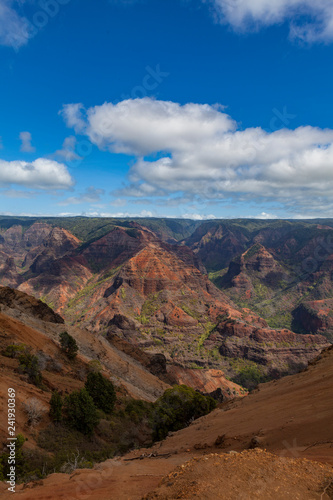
(28, 363)
(177, 408)
(56, 404)
(102, 391)
(34, 409)
(68, 345)
(95, 365)
(14, 350)
(249, 377)
(138, 410)
(81, 413)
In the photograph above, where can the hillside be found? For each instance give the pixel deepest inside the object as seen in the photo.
(290, 418)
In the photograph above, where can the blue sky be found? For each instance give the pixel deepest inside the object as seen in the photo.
(185, 108)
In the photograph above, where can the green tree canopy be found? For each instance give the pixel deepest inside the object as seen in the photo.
(102, 391)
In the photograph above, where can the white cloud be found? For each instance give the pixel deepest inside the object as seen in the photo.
(39, 174)
(265, 216)
(74, 116)
(144, 126)
(14, 29)
(202, 153)
(26, 146)
(310, 21)
(198, 216)
(91, 195)
(67, 152)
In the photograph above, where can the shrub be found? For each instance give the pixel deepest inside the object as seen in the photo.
(95, 365)
(68, 345)
(102, 391)
(14, 350)
(177, 408)
(28, 363)
(81, 413)
(34, 409)
(138, 410)
(249, 377)
(56, 404)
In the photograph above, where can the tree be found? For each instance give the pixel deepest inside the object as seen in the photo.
(28, 363)
(177, 408)
(81, 413)
(56, 404)
(68, 345)
(102, 391)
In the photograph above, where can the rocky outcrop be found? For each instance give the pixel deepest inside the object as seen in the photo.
(279, 351)
(20, 301)
(212, 382)
(314, 317)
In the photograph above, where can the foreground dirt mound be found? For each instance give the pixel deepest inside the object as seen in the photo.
(254, 474)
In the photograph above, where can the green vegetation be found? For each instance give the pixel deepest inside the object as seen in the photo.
(14, 350)
(68, 345)
(102, 391)
(56, 404)
(81, 412)
(81, 435)
(28, 364)
(247, 373)
(177, 408)
(190, 312)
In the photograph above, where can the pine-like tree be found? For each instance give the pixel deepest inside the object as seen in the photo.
(68, 345)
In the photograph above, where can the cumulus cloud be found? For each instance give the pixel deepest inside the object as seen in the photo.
(198, 150)
(309, 21)
(144, 126)
(39, 174)
(14, 28)
(26, 146)
(91, 195)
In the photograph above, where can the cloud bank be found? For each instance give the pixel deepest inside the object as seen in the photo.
(198, 150)
(310, 21)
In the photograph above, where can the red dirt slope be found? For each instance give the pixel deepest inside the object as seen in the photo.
(291, 418)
